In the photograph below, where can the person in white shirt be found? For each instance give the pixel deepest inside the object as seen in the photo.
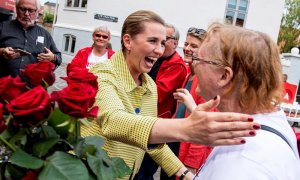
(97, 53)
(243, 67)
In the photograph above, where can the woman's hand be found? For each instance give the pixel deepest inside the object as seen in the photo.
(183, 96)
(217, 128)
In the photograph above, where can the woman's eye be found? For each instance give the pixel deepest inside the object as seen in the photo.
(152, 40)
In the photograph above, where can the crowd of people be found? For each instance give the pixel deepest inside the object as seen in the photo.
(211, 114)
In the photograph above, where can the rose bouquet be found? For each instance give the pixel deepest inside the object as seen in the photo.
(40, 133)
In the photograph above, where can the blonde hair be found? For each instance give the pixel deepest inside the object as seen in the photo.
(103, 29)
(133, 24)
(255, 61)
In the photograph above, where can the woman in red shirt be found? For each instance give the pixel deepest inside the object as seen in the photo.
(99, 52)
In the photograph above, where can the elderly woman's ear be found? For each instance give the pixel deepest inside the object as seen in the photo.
(225, 77)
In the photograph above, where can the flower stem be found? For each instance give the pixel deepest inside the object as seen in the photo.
(7, 143)
(44, 131)
(77, 130)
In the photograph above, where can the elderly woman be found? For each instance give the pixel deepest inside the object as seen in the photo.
(97, 53)
(243, 67)
(127, 99)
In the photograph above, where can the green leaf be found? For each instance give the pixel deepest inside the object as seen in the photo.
(19, 138)
(60, 122)
(25, 160)
(100, 168)
(120, 167)
(94, 140)
(88, 149)
(89, 144)
(63, 166)
(50, 132)
(41, 148)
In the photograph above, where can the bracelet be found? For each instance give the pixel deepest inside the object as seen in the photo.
(183, 174)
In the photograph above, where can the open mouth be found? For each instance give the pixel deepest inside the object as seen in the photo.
(150, 61)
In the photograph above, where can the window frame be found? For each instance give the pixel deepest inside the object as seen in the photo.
(236, 12)
(80, 5)
(69, 48)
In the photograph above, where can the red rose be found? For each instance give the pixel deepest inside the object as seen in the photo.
(76, 100)
(40, 73)
(2, 122)
(81, 75)
(31, 107)
(11, 88)
(70, 68)
(30, 175)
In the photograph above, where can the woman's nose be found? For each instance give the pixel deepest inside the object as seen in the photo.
(159, 50)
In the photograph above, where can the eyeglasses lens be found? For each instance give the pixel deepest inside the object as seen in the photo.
(100, 35)
(24, 10)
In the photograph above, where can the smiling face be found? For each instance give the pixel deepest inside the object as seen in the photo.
(27, 12)
(209, 75)
(144, 48)
(100, 39)
(191, 45)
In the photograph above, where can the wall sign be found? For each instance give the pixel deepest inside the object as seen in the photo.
(106, 18)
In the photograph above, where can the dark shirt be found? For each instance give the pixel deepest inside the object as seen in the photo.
(33, 40)
(154, 70)
(181, 108)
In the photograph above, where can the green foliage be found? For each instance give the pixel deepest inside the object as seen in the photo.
(290, 24)
(63, 166)
(25, 160)
(53, 151)
(48, 18)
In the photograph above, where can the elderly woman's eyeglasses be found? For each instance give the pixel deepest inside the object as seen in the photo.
(196, 31)
(194, 58)
(24, 10)
(101, 35)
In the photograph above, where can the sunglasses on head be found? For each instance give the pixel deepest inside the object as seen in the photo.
(101, 35)
(196, 31)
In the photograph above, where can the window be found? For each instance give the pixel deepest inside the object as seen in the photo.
(236, 12)
(76, 3)
(69, 43)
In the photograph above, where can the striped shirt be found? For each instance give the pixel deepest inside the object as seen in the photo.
(126, 115)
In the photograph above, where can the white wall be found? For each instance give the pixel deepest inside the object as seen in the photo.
(263, 15)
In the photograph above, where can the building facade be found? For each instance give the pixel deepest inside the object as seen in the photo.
(49, 7)
(76, 19)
